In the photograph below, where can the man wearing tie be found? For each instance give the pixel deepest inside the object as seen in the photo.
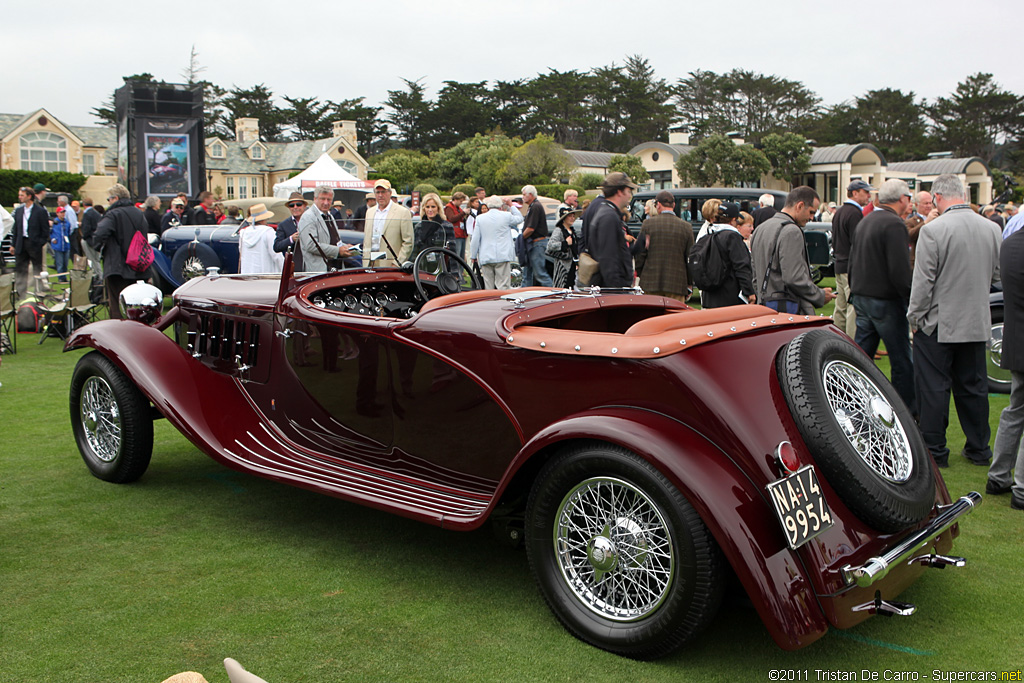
(31, 231)
(318, 233)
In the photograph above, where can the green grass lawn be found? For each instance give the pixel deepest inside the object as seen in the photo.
(195, 563)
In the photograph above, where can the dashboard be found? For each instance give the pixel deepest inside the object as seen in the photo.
(392, 299)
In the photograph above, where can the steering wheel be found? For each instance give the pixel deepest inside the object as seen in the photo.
(449, 280)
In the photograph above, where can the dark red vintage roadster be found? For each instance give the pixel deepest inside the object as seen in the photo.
(643, 452)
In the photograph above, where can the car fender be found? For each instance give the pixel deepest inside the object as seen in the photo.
(728, 502)
(206, 406)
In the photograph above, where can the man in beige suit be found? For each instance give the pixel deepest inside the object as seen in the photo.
(387, 223)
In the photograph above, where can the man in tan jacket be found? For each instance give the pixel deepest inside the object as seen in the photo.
(387, 223)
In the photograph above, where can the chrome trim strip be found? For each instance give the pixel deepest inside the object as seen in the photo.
(876, 568)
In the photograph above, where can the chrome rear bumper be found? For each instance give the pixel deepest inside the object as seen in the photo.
(876, 568)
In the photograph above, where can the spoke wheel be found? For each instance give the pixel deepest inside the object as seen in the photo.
(859, 431)
(621, 557)
(869, 421)
(110, 419)
(614, 549)
(998, 378)
(101, 419)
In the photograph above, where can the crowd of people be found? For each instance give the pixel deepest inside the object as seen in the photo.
(913, 270)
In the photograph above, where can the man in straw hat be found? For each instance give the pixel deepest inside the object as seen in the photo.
(287, 230)
(256, 243)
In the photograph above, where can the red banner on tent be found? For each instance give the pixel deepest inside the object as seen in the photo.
(339, 184)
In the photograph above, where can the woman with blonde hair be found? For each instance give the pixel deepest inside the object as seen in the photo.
(710, 213)
(433, 230)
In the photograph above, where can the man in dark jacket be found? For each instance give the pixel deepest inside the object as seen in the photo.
(284, 239)
(778, 251)
(844, 225)
(203, 213)
(766, 209)
(603, 235)
(112, 238)
(31, 231)
(880, 276)
(665, 241)
(1007, 470)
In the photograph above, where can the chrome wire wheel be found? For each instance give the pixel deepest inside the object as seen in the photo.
(998, 378)
(193, 268)
(101, 419)
(614, 549)
(869, 421)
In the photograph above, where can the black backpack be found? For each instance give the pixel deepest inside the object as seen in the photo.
(705, 265)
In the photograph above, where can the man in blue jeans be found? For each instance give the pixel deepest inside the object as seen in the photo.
(535, 232)
(880, 277)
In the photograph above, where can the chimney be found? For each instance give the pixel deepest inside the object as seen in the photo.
(347, 130)
(247, 130)
(678, 136)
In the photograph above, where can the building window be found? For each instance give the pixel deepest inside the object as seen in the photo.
(41, 151)
(88, 164)
(218, 151)
(242, 190)
(257, 152)
(349, 166)
(255, 185)
(230, 182)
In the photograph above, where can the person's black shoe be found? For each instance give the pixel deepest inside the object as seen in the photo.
(943, 464)
(1015, 505)
(979, 463)
(995, 489)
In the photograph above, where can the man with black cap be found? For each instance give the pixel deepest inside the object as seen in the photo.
(603, 235)
(849, 215)
(738, 286)
(665, 241)
(284, 238)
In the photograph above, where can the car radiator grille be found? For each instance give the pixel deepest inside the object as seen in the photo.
(229, 344)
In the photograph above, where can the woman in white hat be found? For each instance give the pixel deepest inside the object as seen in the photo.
(256, 243)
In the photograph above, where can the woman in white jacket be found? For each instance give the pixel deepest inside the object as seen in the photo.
(256, 244)
(493, 247)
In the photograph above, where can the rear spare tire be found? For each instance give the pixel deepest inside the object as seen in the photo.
(861, 434)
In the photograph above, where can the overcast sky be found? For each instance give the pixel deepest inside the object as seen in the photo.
(70, 56)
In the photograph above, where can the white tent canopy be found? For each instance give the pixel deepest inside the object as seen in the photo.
(323, 171)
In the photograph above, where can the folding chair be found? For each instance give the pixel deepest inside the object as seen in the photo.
(8, 314)
(55, 320)
(83, 311)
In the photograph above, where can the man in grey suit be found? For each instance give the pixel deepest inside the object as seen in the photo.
(957, 261)
(1007, 471)
(318, 233)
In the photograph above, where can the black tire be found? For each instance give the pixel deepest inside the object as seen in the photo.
(192, 259)
(111, 420)
(607, 584)
(998, 378)
(861, 434)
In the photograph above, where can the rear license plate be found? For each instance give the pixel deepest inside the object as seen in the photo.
(800, 506)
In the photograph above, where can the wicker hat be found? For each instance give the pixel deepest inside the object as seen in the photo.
(258, 212)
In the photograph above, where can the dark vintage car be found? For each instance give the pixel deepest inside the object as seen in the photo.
(645, 453)
(689, 200)
(998, 378)
(189, 250)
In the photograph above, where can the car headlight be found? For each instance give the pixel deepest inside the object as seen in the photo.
(141, 302)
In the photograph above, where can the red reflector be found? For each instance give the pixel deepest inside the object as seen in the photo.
(786, 455)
